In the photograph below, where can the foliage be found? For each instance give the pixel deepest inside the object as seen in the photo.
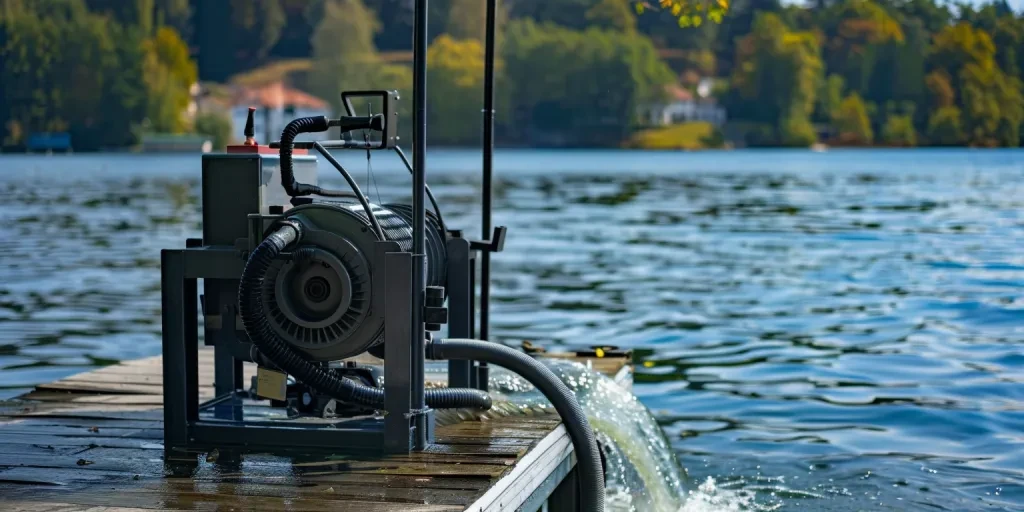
(851, 122)
(65, 68)
(691, 13)
(455, 75)
(689, 136)
(468, 18)
(776, 78)
(945, 127)
(577, 88)
(344, 63)
(169, 72)
(899, 130)
(990, 102)
(215, 125)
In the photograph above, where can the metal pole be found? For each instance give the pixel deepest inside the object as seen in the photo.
(485, 260)
(419, 183)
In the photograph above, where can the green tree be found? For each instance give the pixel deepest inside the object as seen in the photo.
(169, 73)
(455, 75)
(349, 62)
(776, 78)
(64, 68)
(829, 98)
(217, 126)
(899, 130)
(467, 19)
(990, 102)
(612, 15)
(855, 32)
(568, 87)
(852, 123)
(945, 127)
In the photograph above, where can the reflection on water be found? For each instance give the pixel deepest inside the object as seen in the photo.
(817, 331)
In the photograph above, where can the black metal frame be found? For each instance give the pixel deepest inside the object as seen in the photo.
(191, 426)
(408, 424)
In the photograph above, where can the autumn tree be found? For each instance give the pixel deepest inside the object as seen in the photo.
(853, 127)
(776, 79)
(455, 75)
(990, 102)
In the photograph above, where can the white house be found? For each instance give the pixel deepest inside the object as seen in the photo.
(276, 106)
(683, 107)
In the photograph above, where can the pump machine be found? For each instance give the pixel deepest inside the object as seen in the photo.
(305, 281)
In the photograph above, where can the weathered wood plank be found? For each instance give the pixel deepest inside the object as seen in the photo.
(93, 441)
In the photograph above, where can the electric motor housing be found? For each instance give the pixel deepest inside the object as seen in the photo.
(319, 298)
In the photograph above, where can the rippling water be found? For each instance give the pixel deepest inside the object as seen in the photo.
(816, 331)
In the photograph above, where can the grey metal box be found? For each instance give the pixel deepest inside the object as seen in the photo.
(236, 185)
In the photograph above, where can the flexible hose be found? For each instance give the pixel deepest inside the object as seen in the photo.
(250, 307)
(300, 125)
(588, 456)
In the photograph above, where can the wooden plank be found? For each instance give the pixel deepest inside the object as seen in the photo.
(512, 491)
(94, 441)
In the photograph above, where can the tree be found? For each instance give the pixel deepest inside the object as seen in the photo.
(169, 74)
(990, 102)
(64, 68)
(852, 123)
(829, 98)
(455, 75)
(215, 125)
(899, 130)
(945, 128)
(255, 27)
(612, 15)
(776, 78)
(467, 19)
(577, 88)
(349, 62)
(855, 31)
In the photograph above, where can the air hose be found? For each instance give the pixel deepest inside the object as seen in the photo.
(263, 336)
(588, 456)
(312, 124)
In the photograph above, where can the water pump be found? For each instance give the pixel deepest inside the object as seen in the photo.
(304, 281)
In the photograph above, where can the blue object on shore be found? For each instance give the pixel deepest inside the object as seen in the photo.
(49, 141)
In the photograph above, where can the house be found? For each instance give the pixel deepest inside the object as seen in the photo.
(681, 106)
(276, 106)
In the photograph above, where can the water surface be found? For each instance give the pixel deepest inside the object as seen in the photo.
(815, 331)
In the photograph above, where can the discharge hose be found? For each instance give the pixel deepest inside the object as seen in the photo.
(588, 456)
(263, 336)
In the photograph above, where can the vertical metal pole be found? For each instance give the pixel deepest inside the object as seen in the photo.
(459, 308)
(485, 262)
(419, 184)
(175, 360)
(398, 363)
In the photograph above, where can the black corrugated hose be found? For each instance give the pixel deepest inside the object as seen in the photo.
(250, 307)
(588, 456)
(312, 124)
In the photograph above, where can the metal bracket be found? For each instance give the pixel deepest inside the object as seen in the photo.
(495, 244)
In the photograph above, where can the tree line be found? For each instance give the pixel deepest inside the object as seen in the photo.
(570, 72)
(67, 67)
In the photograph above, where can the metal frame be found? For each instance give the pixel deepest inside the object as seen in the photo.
(191, 426)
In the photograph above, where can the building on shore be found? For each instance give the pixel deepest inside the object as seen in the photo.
(682, 106)
(276, 105)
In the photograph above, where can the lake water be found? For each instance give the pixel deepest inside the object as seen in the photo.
(819, 331)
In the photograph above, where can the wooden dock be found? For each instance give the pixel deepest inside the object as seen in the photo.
(94, 441)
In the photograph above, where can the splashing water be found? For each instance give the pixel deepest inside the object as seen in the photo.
(642, 471)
